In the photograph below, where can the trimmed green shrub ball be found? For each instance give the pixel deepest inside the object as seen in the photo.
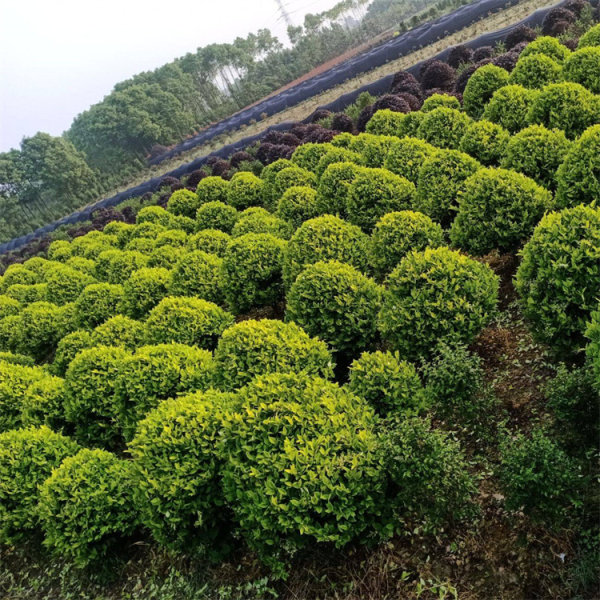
(293, 176)
(68, 347)
(336, 303)
(41, 326)
(406, 157)
(332, 191)
(27, 459)
(216, 215)
(211, 241)
(89, 401)
(324, 238)
(92, 244)
(26, 294)
(9, 306)
(64, 284)
(10, 333)
(579, 175)
(245, 190)
(144, 290)
(17, 359)
(156, 215)
(441, 179)
(85, 265)
(60, 250)
(535, 71)
(252, 348)
(537, 152)
(298, 204)
(337, 155)
(190, 321)
(43, 403)
(454, 297)
(210, 189)
(86, 507)
(485, 141)
(590, 38)
(268, 175)
(375, 192)
(398, 233)
(498, 209)
(509, 107)
(165, 257)
(547, 45)
(307, 156)
(251, 273)
(481, 87)
(178, 487)
(98, 302)
(155, 373)
(147, 230)
(436, 100)
(116, 266)
(566, 106)
(37, 264)
(386, 122)
(593, 347)
(197, 274)
(171, 237)
(373, 148)
(14, 382)
(443, 127)
(260, 220)
(559, 277)
(119, 331)
(390, 385)
(304, 466)
(184, 203)
(119, 229)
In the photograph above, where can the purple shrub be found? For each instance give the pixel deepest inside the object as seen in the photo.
(483, 53)
(391, 102)
(220, 167)
(320, 136)
(365, 116)
(320, 114)
(575, 6)
(342, 122)
(128, 215)
(401, 79)
(157, 150)
(414, 102)
(195, 177)
(438, 75)
(459, 55)
(239, 157)
(506, 61)
(289, 139)
(519, 34)
(103, 216)
(557, 20)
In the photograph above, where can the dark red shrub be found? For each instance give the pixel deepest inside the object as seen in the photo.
(414, 102)
(157, 150)
(438, 75)
(79, 230)
(506, 61)
(320, 114)
(220, 167)
(365, 116)
(483, 53)
(342, 122)
(571, 44)
(557, 20)
(263, 152)
(239, 157)
(391, 102)
(319, 136)
(169, 181)
(459, 55)
(128, 215)
(278, 151)
(195, 177)
(575, 6)
(146, 197)
(519, 34)
(289, 139)
(103, 216)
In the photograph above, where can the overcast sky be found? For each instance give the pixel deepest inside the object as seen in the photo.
(59, 57)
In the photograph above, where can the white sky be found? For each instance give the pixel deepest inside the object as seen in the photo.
(59, 57)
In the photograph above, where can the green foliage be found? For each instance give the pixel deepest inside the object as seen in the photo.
(386, 122)
(498, 209)
(174, 238)
(295, 475)
(119, 229)
(430, 473)
(14, 381)
(390, 385)
(251, 348)
(307, 156)
(337, 155)
(535, 71)
(68, 347)
(155, 373)
(245, 190)
(86, 507)
(559, 277)
(481, 87)
(324, 238)
(27, 294)
(42, 403)
(375, 192)
(268, 175)
(85, 265)
(178, 491)
(372, 148)
(144, 290)
(441, 180)
(165, 257)
(260, 220)
(148, 229)
(396, 234)
(41, 325)
(436, 100)
(211, 241)
(92, 243)
(89, 400)
(252, 270)
(537, 152)
(567, 106)
(217, 215)
(537, 477)
(406, 157)
(97, 302)
(64, 283)
(590, 38)
(185, 203)
(291, 177)
(548, 46)
(27, 458)
(298, 204)
(17, 359)
(156, 215)
(17, 274)
(197, 274)
(9, 306)
(211, 189)
(60, 250)
(190, 321)
(509, 107)
(433, 296)
(336, 303)
(332, 191)
(443, 127)
(485, 141)
(579, 175)
(116, 266)
(119, 331)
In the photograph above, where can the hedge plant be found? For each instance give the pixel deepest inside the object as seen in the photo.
(17, 359)
(436, 100)
(210, 189)
(406, 157)
(260, 220)
(386, 122)
(298, 204)
(41, 326)
(86, 507)
(337, 155)
(509, 107)
(481, 87)
(18, 274)
(144, 290)
(251, 348)
(9, 306)
(290, 177)
(245, 190)
(197, 274)
(27, 459)
(559, 277)
(535, 71)
(64, 283)
(157, 215)
(14, 382)
(332, 191)
(211, 241)
(116, 266)
(67, 348)
(119, 331)
(590, 38)
(443, 127)
(498, 209)
(27, 294)
(373, 149)
(396, 234)
(97, 302)
(547, 45)
(485, 142)
(433, 296)
(216, 215)
(593, 348)
(307, 156)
